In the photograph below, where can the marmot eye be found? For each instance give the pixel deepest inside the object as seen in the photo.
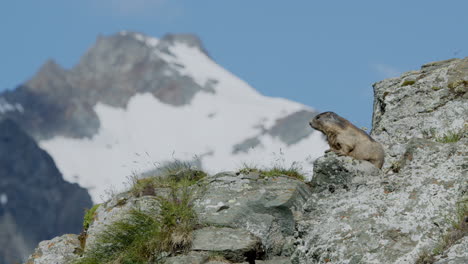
(317, 117)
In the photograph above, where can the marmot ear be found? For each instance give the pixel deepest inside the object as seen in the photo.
(337, 119)
(333, 116)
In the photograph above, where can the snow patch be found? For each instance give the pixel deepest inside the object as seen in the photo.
(148, 131)
(3, 199)
(5, 106)
(149, 41)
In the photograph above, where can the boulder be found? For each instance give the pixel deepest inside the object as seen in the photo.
(266, 207)
(234, 244)
(275, 260)
(333, 172)
(60, 250)
(190, 258)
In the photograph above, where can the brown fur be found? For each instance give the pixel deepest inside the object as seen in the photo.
(346, 139)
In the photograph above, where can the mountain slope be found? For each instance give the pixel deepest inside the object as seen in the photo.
(134, 100)
(35, 202)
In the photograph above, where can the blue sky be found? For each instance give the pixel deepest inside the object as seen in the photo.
(325, 54)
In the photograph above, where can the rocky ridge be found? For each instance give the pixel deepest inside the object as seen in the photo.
(415, 209)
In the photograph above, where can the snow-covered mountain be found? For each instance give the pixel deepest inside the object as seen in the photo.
(134, 102)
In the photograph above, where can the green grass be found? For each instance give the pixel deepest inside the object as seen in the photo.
(147, 236)
(408, 82)
(450, 137)
(458, 86)
(174, 174)
(89, 216)
(458, 230)
(292, 172)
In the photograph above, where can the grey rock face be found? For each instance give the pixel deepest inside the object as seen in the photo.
(248, 217)
(456, 254)
(275, 260)
(115, 210)
(395, 215)
(334, 172)
(265, 207)
(192, 258)
(35, 202)
(388, 218)
(60, 250)
(234, 244)
(428, 103)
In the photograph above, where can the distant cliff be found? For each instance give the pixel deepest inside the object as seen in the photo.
(35, 202)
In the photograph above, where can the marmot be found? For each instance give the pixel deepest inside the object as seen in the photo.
(346, 139)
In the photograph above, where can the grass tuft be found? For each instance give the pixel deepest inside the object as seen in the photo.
(458, 86)
(458, 230)
(149, 236)
(451, 137)
(174, 174)
(293, 171)
(89, 216)
(408, 82)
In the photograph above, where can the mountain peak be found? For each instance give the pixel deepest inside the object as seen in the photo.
(190, 40)
(149, 41)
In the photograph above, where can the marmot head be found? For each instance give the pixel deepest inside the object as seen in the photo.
(327, 121)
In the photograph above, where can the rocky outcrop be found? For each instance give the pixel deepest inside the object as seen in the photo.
(357, 215)
(385, 218)
(245, 215)
(430, 103)
(62, 249)
(35, 202)
(413, 210)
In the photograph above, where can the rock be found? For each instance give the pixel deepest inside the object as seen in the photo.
(333, 172)
(60, 250)
(427, 107)
(191, 258)
(395, 215)
(221, 262)
(371, 224)
(234, 244)
(116, 209)
(266, 207)
(456, 254)
(275, 260)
